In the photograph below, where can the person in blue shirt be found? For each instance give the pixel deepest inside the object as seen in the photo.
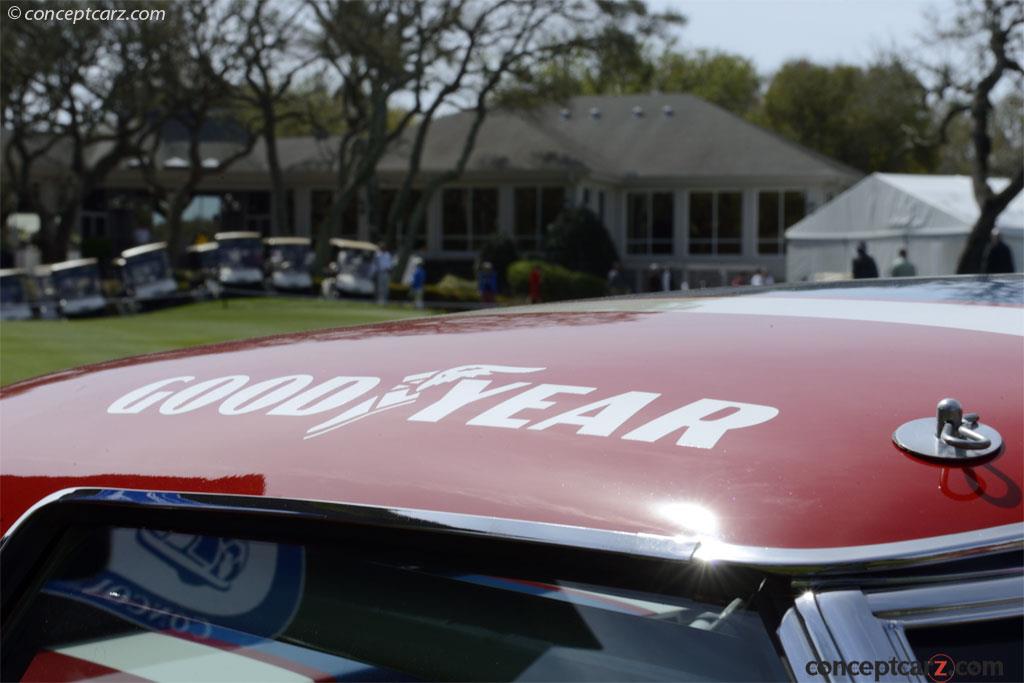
(487, 282)
(419, 281)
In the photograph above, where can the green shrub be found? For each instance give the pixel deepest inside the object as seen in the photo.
(556, 283)
(579, 241)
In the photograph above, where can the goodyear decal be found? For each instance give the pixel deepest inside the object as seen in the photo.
(339, 401)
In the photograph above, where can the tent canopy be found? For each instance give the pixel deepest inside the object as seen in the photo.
(929, 215)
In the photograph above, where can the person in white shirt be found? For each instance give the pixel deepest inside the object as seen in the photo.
(757, 279)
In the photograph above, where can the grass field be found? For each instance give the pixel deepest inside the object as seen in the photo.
(36, 347)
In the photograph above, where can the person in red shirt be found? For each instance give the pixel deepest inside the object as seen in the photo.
(535, 285)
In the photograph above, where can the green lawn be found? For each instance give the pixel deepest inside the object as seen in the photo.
(36, 347)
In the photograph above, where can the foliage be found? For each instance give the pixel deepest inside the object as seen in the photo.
(451, 287)
(873, 119)
(626, 66)
(556, 282)
(579, 241)
(728, 80)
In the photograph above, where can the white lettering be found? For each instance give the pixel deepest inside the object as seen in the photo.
(531, 399)
(193, 397)
(348, 388)
(462, 394)
(613, 414)
(701, 433)
(233, 405)
(126, 404)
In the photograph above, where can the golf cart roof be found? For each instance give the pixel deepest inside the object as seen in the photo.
(237, 235)
(69, 265)
(354, 244)
(199, 248)
(755, 421)
(143, 249)
(12, 272)
(297, 241)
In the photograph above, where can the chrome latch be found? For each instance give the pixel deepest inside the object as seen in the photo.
(951, 437)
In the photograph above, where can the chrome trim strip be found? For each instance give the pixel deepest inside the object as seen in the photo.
(869, 557)
(817, 631)
(859, 635)
(784, 560)
(797, 646)
(959, 603)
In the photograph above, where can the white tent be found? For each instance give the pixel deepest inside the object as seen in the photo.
(929, 215)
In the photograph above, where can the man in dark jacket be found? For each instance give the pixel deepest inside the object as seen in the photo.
(997, 257)
(863, 265)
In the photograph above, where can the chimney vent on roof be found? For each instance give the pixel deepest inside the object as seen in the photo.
(595, 113)
(565, 114)
(667, 110)
(638, 112)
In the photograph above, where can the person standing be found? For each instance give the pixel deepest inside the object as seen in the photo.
(535, 278)
(864, 266)
(757, 279)
(487, 282)
(997, 257)
(382, 264)
(419, 282)
(902, 267)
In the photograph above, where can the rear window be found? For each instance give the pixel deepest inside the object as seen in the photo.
(166, 605)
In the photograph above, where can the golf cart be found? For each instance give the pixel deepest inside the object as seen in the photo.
(146, 273)
(241, 259)
(288, 262)
(351, 269)
(75, 285)
(202, 262)
(15, 303)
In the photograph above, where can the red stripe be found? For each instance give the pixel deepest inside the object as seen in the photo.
(53, 667)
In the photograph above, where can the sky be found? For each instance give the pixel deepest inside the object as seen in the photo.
(772, 32)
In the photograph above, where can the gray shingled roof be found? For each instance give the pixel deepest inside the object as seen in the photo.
(698, 140)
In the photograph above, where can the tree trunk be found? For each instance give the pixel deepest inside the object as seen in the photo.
(175, 240)
(282, 224)
(981, 234)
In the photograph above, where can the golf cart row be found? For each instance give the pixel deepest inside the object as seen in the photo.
(234, 260)
(243, 259)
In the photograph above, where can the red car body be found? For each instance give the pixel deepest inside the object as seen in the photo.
(830, 373)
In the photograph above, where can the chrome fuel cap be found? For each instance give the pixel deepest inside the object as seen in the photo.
(951, 437)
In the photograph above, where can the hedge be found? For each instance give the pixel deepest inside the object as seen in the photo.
(556, 283)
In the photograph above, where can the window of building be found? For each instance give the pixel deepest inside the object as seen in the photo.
(649, 222)
(320, 211)
(386, 199)
(776, 211)
(535, 209)
(469, 217)
(716, 222)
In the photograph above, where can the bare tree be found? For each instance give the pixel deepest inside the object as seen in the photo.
(488, 44)
(274, 55)
(428, 59)
(83, 98)
(198, 70)
(986, 46)
(373, 50)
